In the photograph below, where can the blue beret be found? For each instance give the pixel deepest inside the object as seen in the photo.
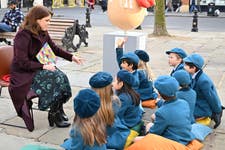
(166, 85)
(86, 103)
(126, 77)
(182, 76)
(196, 59)
(178, 51)
(142, 55)
(131, 56)
(100, 79)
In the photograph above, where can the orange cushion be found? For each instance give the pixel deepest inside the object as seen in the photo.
(149, 104)
(156, 142)
(195, 145)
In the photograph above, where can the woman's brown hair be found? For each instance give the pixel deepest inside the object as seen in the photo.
(35, 13)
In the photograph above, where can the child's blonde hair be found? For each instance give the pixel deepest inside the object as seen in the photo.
(106, 110)
(92, 129)
(145, 66)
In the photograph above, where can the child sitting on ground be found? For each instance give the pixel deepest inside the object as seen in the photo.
(208, 105)
(172, 119)
(143, 63)
(175, 59)
(89, 130)
(117, 133)
(146, 90)
(130, 61)
(185, 92)
(101, 83)
(130, 113)
(172, 126)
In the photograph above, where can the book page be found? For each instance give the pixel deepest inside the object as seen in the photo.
(46, 56)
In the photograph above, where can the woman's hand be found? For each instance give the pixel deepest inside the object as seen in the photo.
(49, 67)
(78, 60)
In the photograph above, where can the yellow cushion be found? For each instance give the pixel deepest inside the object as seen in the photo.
(130, 138)
(204, 121)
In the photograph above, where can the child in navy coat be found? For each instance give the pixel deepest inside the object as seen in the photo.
(172, 119)
(188, 94)
(208, 104)
(185, 92)
(147, 93)
(130, 114)
(175, 59)
(101, 83)
(89, 130)
(130, 61)
(117, 133)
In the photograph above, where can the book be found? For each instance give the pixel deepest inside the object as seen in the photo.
(46, 56)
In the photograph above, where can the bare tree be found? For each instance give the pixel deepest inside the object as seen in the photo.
(160, 21)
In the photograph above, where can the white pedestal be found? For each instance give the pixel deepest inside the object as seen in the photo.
(4, 3)
(136, 40)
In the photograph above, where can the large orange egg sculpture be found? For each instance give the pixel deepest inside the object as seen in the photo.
(125, 14)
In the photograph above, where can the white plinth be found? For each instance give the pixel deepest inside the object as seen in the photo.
(4, 3)
(136, 40)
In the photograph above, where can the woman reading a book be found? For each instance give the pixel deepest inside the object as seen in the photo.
(33, 68)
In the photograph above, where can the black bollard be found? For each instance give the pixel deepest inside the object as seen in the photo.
(195, 22)
(88, 24)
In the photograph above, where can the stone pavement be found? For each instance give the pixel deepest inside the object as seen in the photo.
(209, 44)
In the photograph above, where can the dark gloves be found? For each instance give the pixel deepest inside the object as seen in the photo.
(217, 117)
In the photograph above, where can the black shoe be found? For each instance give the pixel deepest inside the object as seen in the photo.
(55, 118)
(217, 118)
(63, 115)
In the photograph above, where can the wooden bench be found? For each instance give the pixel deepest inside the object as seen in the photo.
(6, 55)
(62, 32)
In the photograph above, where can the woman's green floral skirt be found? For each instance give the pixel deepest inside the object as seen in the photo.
(51, 87)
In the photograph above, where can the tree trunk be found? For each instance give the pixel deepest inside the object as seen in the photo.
(160, 21)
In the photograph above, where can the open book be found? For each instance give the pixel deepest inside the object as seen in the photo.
(46, 55)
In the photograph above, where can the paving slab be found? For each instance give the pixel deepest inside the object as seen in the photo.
(208, 44)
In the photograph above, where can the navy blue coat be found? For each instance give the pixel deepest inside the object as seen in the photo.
(145, 89)
(188, 95)
(117, 135)
(172, 121)
(129, 114)
(207, 100)
(179, 67)
(75, 142)
(142, 85)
